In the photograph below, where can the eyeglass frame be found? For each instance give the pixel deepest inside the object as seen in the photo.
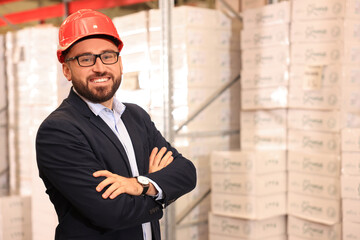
(96, 56)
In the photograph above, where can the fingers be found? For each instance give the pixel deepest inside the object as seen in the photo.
(152, 156)
(102, 173)
(168, 161)
(113, 191)
(159, 156)
(104, 183)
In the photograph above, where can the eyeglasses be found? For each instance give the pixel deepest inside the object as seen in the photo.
(87, 60)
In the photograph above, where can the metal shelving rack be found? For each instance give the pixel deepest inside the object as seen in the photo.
(166, 6)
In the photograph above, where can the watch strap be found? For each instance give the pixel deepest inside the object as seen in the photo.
(145, 189)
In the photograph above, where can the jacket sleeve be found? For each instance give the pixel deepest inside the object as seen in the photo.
(66, 163)
(179, 177)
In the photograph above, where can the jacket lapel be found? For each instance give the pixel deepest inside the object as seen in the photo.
(83, 108)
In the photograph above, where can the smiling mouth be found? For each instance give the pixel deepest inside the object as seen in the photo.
(100, 80)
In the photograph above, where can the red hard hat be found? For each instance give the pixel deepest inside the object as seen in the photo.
(83, 23)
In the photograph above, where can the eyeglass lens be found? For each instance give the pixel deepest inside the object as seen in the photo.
(106, 58)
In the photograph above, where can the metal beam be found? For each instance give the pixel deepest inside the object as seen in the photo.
(6, 21)
(57, 10)
(207, 102)
(236, 14)
(166, 7)
(192, 205)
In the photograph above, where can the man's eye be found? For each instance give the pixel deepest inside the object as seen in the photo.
(85, 59)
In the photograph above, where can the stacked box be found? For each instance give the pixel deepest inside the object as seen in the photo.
(32, 94)
(4, 161)
(133, 31)
(205, 56)
(248, 194)
(350, 182)
(15, 218)
(324, 49)
(264, 81)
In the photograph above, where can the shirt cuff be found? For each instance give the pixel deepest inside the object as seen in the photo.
(160, 194)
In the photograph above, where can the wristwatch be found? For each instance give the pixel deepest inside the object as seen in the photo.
(145, 183)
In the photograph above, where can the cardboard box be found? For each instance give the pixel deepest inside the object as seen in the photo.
(263, 119)
(350, 163)
(316, 186)
(326, 211)
(317, 31)
(135, 43)
(327, 121)
(247, 229)
(324, 99)
(350, 99)
(265, 57)
(351, 30)
(199, 57)
(350, 140)
(350, 119)
(266, 36)
(350, 76)
(263, 139)
(250, 4)
(203, 146)
(185, 16)
(264, 77)
(350, 187)
(194, 17)
(248, 207)
(314, 142)
(194, 231)
(351, 53)
(256, 162)
(249, 184)
(304, 229)
(351, 231)
(324, 9)
(317, 53)
(21, 232)
(184, 36)
(15, 212)
(131, 23)
(264, 98)
(314, 163)
(268, 15)
(316, 77)
(197, 214)
(351, 210)
(222, 237)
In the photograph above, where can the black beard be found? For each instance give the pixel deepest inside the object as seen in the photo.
(101, 96)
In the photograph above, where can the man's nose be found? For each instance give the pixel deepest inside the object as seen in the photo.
(98, 66)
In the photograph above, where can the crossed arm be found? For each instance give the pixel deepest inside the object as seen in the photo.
(118, 184)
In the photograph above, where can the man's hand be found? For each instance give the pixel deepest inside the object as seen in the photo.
(158, 161)
(118, 185)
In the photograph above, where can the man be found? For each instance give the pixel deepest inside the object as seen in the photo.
(107, 169)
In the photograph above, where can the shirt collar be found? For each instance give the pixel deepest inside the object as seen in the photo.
(96, 108)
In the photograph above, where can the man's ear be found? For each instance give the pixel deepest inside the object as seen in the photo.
(66, 71)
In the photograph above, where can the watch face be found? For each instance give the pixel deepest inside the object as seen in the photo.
(143, 180)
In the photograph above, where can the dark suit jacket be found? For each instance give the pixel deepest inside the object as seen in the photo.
(72, 143)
